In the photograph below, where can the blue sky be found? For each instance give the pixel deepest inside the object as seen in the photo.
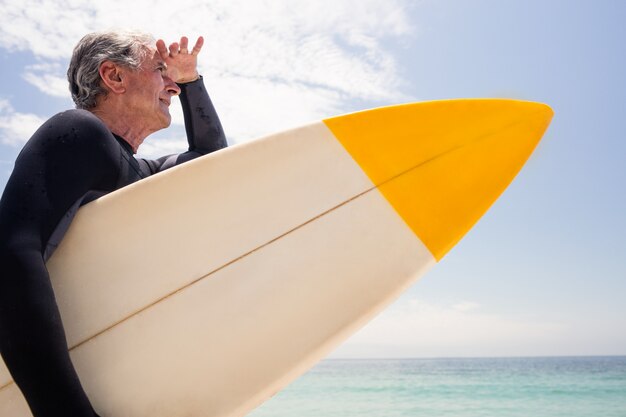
(543, 273)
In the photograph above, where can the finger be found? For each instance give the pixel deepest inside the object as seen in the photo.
(161, 48)
(198, 46)
(184, 42)
(174, 49)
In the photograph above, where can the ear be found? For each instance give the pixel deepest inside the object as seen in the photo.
(111, 75)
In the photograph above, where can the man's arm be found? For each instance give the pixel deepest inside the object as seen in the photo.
(33, 342)
(202, 124)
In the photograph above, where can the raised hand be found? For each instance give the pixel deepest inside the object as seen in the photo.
(181, 63)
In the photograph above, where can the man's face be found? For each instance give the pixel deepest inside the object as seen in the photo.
(148, 94)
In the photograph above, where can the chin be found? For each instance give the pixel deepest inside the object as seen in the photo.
(166, 122)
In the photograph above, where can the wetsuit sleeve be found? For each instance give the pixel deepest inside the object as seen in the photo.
(202, 125)
(68, 156)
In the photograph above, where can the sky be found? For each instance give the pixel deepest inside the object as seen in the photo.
(542, 274)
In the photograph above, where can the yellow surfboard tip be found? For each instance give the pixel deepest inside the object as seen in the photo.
(442, 164)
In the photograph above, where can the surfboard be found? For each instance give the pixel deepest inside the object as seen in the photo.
(205, 289)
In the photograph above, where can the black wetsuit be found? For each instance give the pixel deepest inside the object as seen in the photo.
(72, 158)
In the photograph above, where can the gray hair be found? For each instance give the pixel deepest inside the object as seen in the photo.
(124, 48)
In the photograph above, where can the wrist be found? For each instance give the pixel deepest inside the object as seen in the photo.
(189, 80)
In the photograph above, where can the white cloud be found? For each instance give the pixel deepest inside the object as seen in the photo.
(270, 63)
(466, 306)
(419, 329)
(262, 106)
(48, 28)
(16, 128)
(45, 77)
(152, 149)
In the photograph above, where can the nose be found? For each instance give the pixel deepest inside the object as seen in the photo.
(171, 87)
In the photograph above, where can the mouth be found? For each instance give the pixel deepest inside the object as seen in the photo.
(165, 101)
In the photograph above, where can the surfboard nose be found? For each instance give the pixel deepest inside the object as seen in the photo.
(442, 164)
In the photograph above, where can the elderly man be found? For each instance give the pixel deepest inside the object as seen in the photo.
(122, 84)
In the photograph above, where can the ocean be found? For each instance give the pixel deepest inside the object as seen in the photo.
(502, 387)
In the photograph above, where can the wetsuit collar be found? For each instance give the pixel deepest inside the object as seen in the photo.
(124, 144)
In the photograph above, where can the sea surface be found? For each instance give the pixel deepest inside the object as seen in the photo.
(502, 387)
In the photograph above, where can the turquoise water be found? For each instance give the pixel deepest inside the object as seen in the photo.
(528, 387)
